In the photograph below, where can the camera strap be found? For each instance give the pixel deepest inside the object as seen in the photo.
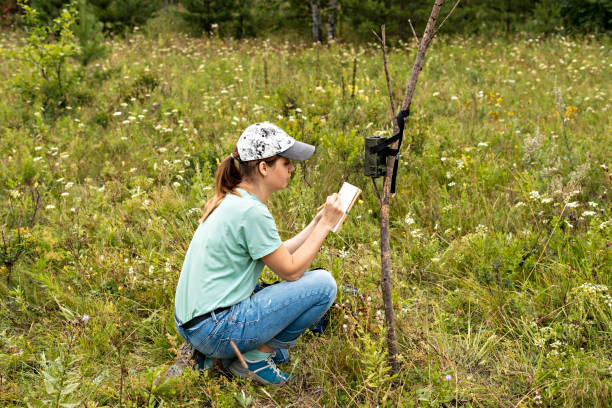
(383, 149)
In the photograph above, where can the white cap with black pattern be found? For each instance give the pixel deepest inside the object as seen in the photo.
(263, 140)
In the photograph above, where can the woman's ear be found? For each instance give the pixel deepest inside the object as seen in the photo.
(262, 166)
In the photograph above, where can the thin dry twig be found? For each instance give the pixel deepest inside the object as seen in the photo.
(383, 46)
(416, 37)
(239, 355)
(447, 16)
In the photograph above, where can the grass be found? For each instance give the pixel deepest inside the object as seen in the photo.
(500, 227)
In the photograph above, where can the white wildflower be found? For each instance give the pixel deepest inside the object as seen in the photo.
(573, 204)
(534, 195)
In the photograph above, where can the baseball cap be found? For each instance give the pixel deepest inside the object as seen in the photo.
(263, 140)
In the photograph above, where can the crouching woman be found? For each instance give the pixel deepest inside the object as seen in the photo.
(237, 236)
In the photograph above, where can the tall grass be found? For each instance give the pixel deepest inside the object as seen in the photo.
(500, 227)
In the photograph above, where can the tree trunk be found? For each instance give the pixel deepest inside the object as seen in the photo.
(332, 16)
(317, 32)
(402, 21)
(385, 246)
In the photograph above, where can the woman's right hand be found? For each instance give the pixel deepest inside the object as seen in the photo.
(332, 212)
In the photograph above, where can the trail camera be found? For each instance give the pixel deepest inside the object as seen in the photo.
(375, 164)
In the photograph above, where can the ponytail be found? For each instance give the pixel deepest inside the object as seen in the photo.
(228, 176)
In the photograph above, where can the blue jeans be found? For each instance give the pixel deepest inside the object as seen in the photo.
(275, 316)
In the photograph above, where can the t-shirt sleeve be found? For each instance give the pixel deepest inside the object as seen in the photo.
(260, 232)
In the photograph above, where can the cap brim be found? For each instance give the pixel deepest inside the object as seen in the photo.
(299, 151)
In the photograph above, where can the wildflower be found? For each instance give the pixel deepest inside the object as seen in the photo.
(451, 184)
(85, 318)
(588, 213)
(519, 204)
(37, 158)
(448, 377)
(483, 144)
(534, 195)
(49, 207)
(547, 200)
(117, 114)
(436, 93)
(573, 204)
(409, 220)
(125, 122)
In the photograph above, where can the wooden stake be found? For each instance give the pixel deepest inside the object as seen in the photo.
(239, 355)
(385, 246)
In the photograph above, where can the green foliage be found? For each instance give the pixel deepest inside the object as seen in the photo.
(45, 76)
(591, 15)
(119, 15)
(89, 32)
(500, 226)
(235, 18)
(59, 384)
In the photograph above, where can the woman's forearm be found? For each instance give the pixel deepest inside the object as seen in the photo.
(292, 244)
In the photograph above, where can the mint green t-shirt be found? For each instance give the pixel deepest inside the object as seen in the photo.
(223, 262)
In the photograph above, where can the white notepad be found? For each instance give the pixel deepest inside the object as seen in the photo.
(348, 195)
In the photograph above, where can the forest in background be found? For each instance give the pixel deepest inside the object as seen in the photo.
(344, 19)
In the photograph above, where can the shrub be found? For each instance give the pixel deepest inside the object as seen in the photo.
(45, 76)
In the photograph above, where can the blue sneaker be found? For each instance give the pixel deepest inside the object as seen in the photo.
(281, 356)
(263, 371)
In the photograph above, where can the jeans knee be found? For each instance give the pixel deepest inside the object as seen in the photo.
(326, 281)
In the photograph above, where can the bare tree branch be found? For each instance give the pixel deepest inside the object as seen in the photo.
(416, 37)
(447, 16)
(385, 245)
(383, 45)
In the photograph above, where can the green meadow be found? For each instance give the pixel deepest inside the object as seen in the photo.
(500, 228)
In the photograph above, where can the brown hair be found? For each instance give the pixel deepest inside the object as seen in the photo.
(229, 175)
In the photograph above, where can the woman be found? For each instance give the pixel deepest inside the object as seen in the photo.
(214, 304)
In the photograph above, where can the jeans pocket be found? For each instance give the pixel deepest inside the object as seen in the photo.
(201, 336)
